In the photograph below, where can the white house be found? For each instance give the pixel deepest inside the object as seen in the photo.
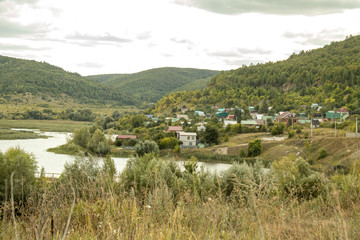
(231, 122)
(188, 139)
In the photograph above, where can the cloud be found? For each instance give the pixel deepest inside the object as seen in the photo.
(283, 7)
(97, 38)
(239, 52)
(10, 29)
(20, 47)
(144, 35)
(90, 65)
(319, 39)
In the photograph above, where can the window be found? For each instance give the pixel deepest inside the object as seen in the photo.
(188, 138)
(190, 143)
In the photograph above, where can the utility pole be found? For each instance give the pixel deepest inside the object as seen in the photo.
(311, 126)
(356, 126)
(335, 127)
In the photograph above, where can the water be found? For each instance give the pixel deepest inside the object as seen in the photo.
(54, 163)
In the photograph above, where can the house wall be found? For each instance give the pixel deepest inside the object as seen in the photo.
(188, 141)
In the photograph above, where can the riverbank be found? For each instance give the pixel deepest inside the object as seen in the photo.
(9, 134)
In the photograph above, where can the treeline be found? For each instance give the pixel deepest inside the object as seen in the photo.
(329, 76)
(48, 114)
(25, 76)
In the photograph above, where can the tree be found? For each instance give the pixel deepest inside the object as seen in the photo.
(211, 135)
(81, 137)
(23, 166)
(238, 115)
(254, 148)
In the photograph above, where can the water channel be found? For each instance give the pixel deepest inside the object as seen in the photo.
(54, 163)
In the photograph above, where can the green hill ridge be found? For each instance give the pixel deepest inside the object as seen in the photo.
(151, 85)
(18, 76)
(329, 76)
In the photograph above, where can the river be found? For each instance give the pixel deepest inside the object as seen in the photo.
(54, 163)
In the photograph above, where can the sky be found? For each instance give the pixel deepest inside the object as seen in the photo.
(127, 36)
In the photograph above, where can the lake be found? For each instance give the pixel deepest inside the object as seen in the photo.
(54, 163)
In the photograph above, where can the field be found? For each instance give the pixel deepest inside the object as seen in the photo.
(43, 125)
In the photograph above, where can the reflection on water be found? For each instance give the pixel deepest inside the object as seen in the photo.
(54, 163)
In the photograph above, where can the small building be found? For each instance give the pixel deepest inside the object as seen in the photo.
(287, 117)
(174, 129)
(182, 116)
(332, 116)
(253, 115)
(268, 118)
(188, 139)
(200, 113)
(259, 116)
(231, 117)
(302, 115)
(251, 109)
(314, 106)
(231, 122)
(343, 111)
(122, 137)
(249, 123)
(315, 123)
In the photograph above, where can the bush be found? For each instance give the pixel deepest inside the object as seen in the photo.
(23, 166)
(254, 148)
(322, 154)
(291, 134)
(145, 147)
(168, 142)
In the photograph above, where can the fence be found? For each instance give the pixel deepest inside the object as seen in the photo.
(48, 175)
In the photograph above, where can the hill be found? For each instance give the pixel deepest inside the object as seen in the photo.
(153, 84)
(329, 76)
(18, 76)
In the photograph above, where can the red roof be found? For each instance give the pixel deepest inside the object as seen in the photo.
(231, 116)
(126, 136)
(343, 110)
(174, 129)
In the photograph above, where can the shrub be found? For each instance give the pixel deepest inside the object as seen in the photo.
(322, 154)
(168, 142)
(145, 147)
(82, 137)
(254, 148)
(291, 134)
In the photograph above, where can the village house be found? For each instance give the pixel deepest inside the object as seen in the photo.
(182, 116)
(231, 122)
(332, 116)
(287, 118)
(174, 129)
(200, 113)
(343, 111)
(188, 139)
(122, 137)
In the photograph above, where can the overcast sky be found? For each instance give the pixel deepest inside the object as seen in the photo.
(126, 36)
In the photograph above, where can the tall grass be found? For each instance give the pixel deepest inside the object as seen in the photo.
(153, 199)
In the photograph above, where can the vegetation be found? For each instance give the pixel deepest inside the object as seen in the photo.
(151, 85)
(328, 76)
(7, 134)
(153, 198)
(24, 76)
(254, 148)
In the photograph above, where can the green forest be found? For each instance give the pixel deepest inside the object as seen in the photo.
(329, 76)
(42, 79)
(151, 85)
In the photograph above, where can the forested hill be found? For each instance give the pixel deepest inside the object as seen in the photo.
(19, 76)
(329, 76)
(151, 85)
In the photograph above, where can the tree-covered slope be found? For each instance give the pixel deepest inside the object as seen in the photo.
(39, 78)
(151, 85)
(329, 76)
